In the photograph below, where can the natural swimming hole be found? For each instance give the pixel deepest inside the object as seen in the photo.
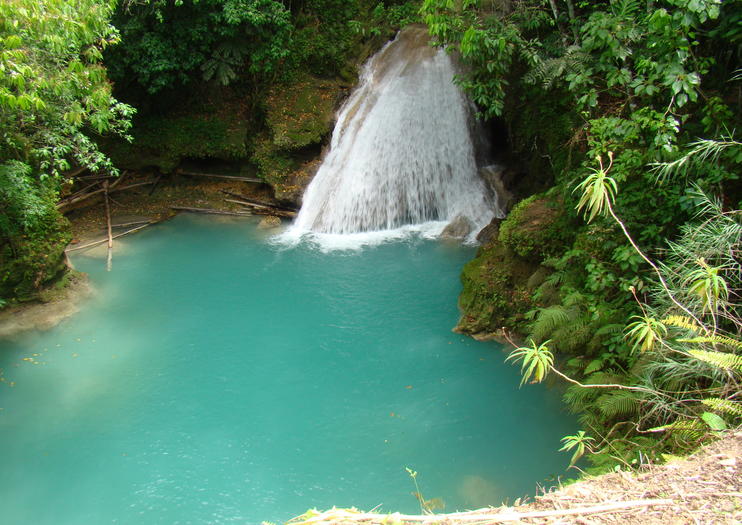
(217, 377)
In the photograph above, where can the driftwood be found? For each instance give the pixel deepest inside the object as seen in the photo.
(109, 261)
(250, 200)
(104, 188)
(101, 241)
(211, 211)
(216, 176)
(350, 516)
(259, 209)
(112, 188)
(132, 223)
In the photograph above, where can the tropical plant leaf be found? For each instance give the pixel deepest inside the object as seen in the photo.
(714, 421)
(682, 321)
(620, 403)
(719, 359)
(594, 366)
(714, 339)
(537, 361)
(692, 429)
(645, 332)
(725, 406)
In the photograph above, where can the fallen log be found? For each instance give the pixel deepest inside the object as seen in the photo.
(111, 189)
(75, 172)
(133, 223)
(257, 202)
(101, 241)
(211, 211)
(263, 210)
(214, 175)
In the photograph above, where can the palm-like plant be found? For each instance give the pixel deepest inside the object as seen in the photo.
(537, 361)
(708, 285)
(598, 190)
(645, 332)
(580, 442)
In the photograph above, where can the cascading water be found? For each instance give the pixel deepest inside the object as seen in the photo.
(402, 151)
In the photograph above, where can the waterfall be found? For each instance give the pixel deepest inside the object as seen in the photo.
(402, 153)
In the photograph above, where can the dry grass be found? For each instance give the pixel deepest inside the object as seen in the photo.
(701, 489)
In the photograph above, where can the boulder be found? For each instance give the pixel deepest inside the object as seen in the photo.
(459, 228)
(268, 222)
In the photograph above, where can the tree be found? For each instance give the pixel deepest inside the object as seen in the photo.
(54, 96)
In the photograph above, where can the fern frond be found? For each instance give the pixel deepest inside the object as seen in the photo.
(625, 8)
(682, 321)
(576, 397)
(604, 377)
(594, 366)
(692, 429)
(571, 337)
(590, 419)
(549, 319)
(618, 404)
(725, 406)
(719, 359)
(714, 339)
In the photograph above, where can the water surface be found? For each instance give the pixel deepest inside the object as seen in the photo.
(218, 378)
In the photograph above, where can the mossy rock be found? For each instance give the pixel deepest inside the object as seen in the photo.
(301, 113)
(35, 260)
(537, 227)
(273, 163)
(495, 292)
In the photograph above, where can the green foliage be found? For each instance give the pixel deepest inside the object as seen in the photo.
(618, 404)
(645, 332)
(580, 442)
(537, 227)
(721, 360)
(54, 96)
(705, 282)
(597, 191)
(167, 45)
(637, 83)
(725, 406)
(537, 361)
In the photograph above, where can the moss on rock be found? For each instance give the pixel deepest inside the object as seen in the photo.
(301, 113)
(494, 291)
(299, 118)
(498, 283)
(537, 227)
(35, 260)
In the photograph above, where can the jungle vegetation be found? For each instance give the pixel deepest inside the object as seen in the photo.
(631, 107)
(626, 110)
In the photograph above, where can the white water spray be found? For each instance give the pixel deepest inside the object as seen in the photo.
(402, 155)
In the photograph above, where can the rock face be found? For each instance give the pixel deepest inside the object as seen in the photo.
(459, 228)
(490, 232)
(498, 283)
